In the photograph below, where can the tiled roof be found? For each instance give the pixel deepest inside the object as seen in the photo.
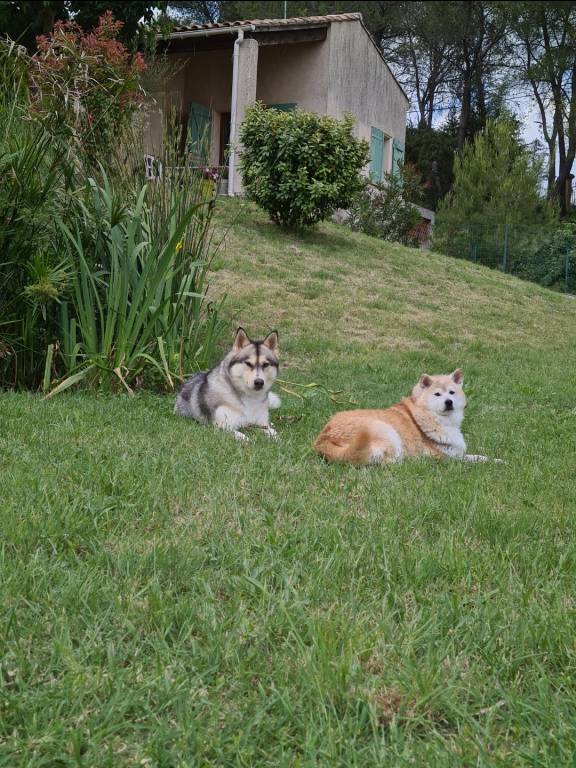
(264, 23)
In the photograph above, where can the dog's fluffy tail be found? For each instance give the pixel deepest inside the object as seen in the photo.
(359, 451)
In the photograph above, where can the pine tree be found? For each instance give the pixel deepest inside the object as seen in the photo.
(497, 195)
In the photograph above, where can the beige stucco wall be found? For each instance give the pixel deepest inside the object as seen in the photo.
(205, 78)
(208, 79)
(361, 83)
(296, 73)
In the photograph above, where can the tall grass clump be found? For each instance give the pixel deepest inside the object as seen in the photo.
(137, 311)
(103, 271)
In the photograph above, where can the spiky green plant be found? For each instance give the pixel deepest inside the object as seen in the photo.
(133, 292)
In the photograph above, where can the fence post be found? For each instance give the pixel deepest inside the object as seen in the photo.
(566, 270)
(505, 260)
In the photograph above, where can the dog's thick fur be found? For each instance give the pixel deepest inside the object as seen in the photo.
(236, 393)
(425, 424)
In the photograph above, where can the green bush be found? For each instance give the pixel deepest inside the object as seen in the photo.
(550, 258)
(298, 166)
(385, 210)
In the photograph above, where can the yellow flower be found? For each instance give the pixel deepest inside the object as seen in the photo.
(179, 246)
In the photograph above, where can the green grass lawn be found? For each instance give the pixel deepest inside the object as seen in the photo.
(172, 598)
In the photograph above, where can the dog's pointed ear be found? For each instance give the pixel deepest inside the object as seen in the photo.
(425, 381)
(457, 377)
(241, 340)
(271, 341)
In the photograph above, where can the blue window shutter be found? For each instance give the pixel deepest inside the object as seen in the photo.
(199, 130)
(376, 154)
(397, 157)
(289, 107)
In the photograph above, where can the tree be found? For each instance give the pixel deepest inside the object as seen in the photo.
(496, 186)
(87, 14)
(195, 12)
(417, 39)
(431, 151)
(24, 20)
(546, 33)
(479, 54)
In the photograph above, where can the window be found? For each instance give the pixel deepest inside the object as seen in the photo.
(397, 157)
(376, 155)
(387, 154)
(199, 130)
(289, 107)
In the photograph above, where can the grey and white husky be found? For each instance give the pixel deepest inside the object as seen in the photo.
(236, 393)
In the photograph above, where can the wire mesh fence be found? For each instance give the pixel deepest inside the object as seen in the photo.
(545, 258)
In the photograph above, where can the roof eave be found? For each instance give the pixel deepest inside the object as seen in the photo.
(186, 34)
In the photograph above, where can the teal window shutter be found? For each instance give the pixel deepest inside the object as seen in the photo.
(289, 107)
(397, 157)
(376, 154)
(199, 130)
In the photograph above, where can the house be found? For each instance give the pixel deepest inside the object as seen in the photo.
(324, 64)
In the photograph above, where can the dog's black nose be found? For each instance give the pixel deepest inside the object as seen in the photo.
(449, 404)
(258, 383)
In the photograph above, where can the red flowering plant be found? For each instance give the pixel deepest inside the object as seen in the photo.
(88, 83)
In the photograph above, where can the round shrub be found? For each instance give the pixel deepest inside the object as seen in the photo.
(298, 166)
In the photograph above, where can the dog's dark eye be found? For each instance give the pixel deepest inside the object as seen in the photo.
(265, 365)
(437, 394)
(249, 364)
(451, 392)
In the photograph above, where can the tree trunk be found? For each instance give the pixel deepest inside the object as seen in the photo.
(422, 122)
(481, 97)
(564, 159)
(561, 193)
(430, 113)
(551, 176)
(465, 111)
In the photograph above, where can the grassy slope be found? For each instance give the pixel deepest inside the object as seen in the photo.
(173, 598)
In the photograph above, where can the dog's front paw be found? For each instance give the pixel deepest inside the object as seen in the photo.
(271, 433)
(240, 436)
